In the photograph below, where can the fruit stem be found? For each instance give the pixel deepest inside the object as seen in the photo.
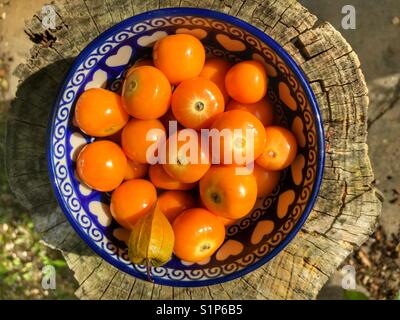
(148, 270)
(199, 106)
(215, 197)
(272, 154)
(132, 85)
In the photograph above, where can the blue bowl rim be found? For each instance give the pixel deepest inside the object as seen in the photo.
(264, 38)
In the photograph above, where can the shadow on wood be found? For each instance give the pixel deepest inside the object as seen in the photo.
(26, 162)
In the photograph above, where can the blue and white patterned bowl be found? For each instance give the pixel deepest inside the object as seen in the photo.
(274, 220)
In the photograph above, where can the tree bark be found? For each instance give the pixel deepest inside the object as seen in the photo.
(347, 208)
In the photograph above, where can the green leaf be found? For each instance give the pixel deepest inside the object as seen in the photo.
(397, 297)
(19, 241)
(58, 263)
(27, 276)
(3, 270)
(12, 279)
(354, 295)
(17, 262)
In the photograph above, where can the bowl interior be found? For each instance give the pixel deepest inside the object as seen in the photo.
(274, 220)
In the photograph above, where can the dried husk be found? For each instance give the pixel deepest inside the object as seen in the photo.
(152, 240)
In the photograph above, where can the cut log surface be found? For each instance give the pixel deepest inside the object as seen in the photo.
(347, 207)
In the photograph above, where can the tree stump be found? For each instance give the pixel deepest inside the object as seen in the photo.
(347, 208)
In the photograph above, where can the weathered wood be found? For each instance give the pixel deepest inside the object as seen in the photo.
(346, 210)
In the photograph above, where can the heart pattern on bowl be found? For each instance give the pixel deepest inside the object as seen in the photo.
(121, 58)
(229, 248)
(284, 201)
(84, 190)
(99, 80)
(296, 169)
(298, 130)
(77, 142)
(201, 263)
(122, 234)
(149, 41)
(262, 229)
(286, 96)
(198, 33)
(101, 211)
(230, 44)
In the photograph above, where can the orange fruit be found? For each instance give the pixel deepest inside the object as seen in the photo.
(226, 221)
(215, 69)
(101, 165)
(280, 149)
(146, 93)
(228, 194)
(266, 180)
(131, 201)
(198, 234)
(174, 202)
(238, 147)
(136, 170)
(163, 180)
(99, 112)
(247, 81)
(141, 138)
(180, 57)
(180, 163)
(166, 118)
(262, 109)
(139, 63)
(116, 137)
(196, 102)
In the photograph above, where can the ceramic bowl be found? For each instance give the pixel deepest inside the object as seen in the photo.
(275, 219)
